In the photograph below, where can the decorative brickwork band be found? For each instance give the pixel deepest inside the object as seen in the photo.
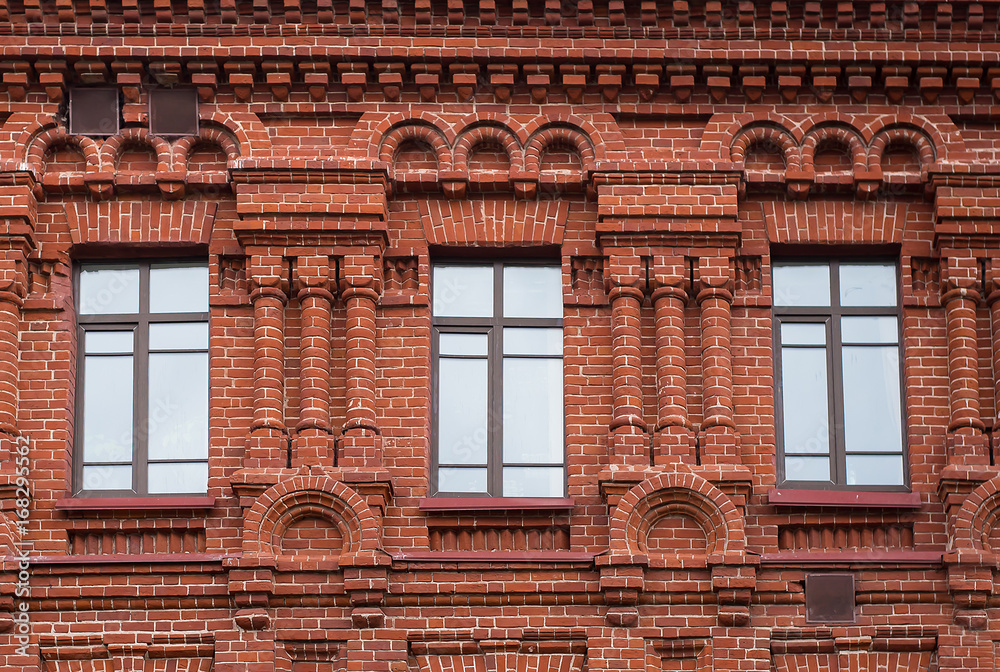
(673, 428)
(268, 436)
(361, 287)
(715, 299)
(626, 277)
(313, 431)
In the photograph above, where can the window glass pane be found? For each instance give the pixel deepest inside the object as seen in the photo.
(97, 342)
(451, 479)
(533, 482)
(177, 477)
(867, 285)
(463, 411)
(532, 291)
(109, 291)
(532, 411)
(528, 341)
(107, 409)
(875, 470)
(107, 477)
(178, 289)
(462, 291)
(178, 336)
(798, 468)
(178, 406)
(865, 329)
(801, 284)
(463, 344)
(803, 333)
(872, 421)
(804, 401)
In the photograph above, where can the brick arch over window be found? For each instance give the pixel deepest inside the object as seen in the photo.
(46, 137)
(288, 502)
(214, 135)
(114, 147)
(486, 132)
(977, 525)
(841, 134)
(671, 494)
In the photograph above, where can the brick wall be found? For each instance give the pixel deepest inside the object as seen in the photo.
(662, 153)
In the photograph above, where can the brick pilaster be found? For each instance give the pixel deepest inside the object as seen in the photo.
(268, 434)
(313, 432)
(715, 299)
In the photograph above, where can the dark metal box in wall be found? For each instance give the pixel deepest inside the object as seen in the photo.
(830, 598)
(173, 112)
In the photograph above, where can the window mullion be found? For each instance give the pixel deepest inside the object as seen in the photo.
(838, 452)
(140, 468)
(495, 377)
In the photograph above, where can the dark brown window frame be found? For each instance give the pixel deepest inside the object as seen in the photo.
(489, 325)
(830, 315)
(140, 386)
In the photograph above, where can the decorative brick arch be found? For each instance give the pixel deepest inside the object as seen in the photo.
(673, 493)
(553, 134)
(915, 137)
(431, 135)
(979, 518)
(601, 131)
(113, 147)
(311, 496)
(939, 130)
(479, 133)
(779, 136)
(208, 135)
(835, 132)
(723, 130)
(370, 133)
(38, 141)
(250, 135)
(511, 124)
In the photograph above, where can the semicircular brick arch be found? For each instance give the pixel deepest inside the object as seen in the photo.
(113, 147)
(212, 134)
(558, 134)
(838, 133)
(722, 131)
(484, 132)
(977, 525)
(416, 131)
(939, 130)
(671, 494)
(371, 130)
(901, 134)
(251, 137)
(289, 502)
(779, 136)
(39, 141)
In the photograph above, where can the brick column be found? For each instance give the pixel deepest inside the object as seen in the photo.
(313, 431)
(268, 435)
(361, 287)
(13, 289)
(715, 299)
(673, 439)
(628, 439)
(993, 301)
(966, 438)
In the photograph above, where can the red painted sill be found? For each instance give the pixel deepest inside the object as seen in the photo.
(133, 503)
(496, 503)
(843, 498)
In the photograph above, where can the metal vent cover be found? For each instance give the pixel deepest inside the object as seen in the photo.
(94, 111)
(830, 598)
(173, 112)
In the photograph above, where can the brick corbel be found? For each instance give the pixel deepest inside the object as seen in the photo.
(970, 582)
(539, 79)
(502, 77)
(859, 81)
(205, 76)
(647, 80)
(734, 580)
(241, 79)
(52, 76)
(609, 78)
(278, 75)
(682, 77)
(17, 79)
(316, 76)
(427, 77)
(574, 79)
(754, 80)
(719, 80)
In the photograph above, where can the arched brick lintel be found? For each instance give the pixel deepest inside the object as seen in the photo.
(285, 503)
(978, 517)
(665, 493)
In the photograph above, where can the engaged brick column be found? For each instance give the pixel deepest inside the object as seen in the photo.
(268, 436)
(629, 440)
(967, 443)
(13, 289)
(361, 286)
(715, 298)
(674, 439)
(313, 432)
(993, 301)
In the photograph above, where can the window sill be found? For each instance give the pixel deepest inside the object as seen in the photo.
(133, 503)
(843, 498)
(494, 556)
(840, 557)
(496, 504)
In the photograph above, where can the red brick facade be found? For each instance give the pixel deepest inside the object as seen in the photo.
(663, 153)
